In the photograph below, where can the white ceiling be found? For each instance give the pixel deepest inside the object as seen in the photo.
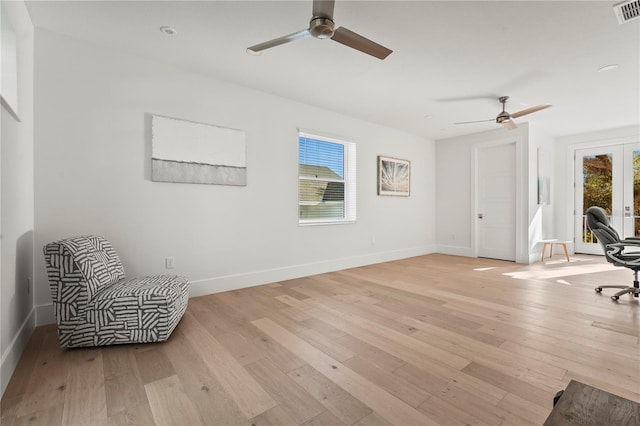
(451, 59)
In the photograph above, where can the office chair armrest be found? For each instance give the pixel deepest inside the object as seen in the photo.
(615, 252)
(634, 242)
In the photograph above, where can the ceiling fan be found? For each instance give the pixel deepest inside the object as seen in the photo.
(322, 26)
(505, 118)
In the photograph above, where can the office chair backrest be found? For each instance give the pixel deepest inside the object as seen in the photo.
(598, 222)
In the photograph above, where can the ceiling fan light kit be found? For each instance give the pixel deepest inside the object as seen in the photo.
(322, 26)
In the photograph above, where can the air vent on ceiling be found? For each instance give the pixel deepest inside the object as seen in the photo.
(627, 11)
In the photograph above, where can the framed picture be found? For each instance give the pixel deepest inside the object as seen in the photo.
(394, 176)
(188, 152)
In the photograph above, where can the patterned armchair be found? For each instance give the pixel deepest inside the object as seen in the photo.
(96, 305)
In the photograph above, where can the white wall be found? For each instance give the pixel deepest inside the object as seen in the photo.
(17, 317)
(92, 161)
(541, 163)
(454, 190)
(564, 164)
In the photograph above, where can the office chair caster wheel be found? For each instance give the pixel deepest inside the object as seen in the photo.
(598, 289)
(615, 298)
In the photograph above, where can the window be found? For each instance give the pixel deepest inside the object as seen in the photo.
(326, 180)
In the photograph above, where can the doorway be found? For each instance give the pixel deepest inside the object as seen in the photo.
(609, 177)
(496, 201)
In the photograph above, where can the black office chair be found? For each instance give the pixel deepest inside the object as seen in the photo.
(614, 248)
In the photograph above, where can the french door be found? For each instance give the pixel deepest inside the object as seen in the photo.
(609, 177)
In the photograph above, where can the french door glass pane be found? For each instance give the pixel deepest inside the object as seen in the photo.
(597, 180)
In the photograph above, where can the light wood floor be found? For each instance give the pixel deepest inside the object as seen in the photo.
(429, 340)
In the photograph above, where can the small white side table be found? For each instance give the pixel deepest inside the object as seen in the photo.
(551, 243)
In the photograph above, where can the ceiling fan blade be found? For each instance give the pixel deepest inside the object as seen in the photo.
(358, 42)
(477, 121)
(278, 41)
(509, 124)
(323, 8)
(529, 110)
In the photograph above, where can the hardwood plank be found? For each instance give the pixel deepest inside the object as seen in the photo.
(153, 365)
(238, 383)
(373, 419)
(395, 338)
(169, 404)
(275, 416)
(124, 388)
(242, 350)
(625, 374)
(525, 408)
(417, 358)
(51, 416)
(323, 419)
(9, 409)
(285, 360)
(336, 400)
(213, 403)
(293, 399)
(388, 381)
(447, 413)
(371, 353)
(17, 386)
(133, 416)
(460, 396)
(85, 383)
(512, 385)
(48, 380)
(295, 314)
(387, 405)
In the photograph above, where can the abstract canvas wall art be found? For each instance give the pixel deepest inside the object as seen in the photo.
(187, 152)
(394, 176)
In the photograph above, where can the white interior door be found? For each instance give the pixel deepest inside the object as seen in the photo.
(608, 177)
(496, 221)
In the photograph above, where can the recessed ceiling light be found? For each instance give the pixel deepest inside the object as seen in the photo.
(608, 67)
(168, 30)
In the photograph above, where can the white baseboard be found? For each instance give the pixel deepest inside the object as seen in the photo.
(45, 314)
(234, 282)
(11, 356)
(455, 250)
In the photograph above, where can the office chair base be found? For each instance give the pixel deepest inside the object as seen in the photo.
(635, 290)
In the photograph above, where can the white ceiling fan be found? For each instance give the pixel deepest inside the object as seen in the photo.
(322, 26)
(505, 118)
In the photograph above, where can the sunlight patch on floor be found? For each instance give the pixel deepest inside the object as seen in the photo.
(561, 272)
(484, 269)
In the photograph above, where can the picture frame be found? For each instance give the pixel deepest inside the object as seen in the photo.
(394, 176)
